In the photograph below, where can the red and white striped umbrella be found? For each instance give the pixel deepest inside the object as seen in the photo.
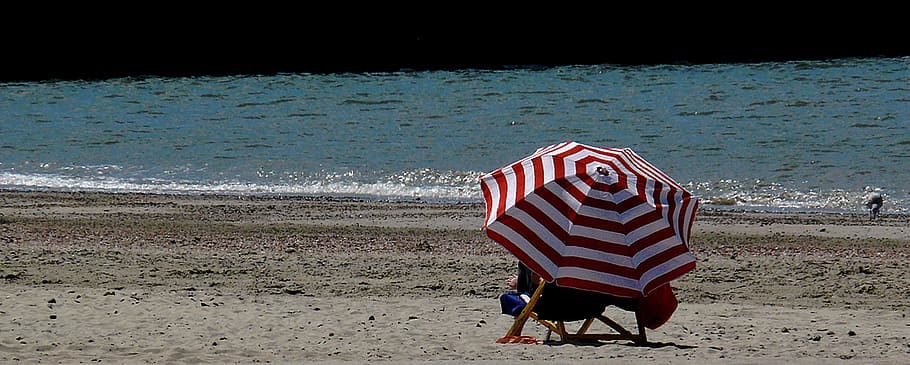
(599, 219)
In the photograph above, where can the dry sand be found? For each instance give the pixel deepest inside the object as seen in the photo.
(136, 278)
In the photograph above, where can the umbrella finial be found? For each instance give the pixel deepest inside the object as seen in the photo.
(605, 174)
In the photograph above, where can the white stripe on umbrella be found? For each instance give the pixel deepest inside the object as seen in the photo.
(568, 240)
(550, 211)
(597, 276)
(581, 252)
(668, 266)
(511, 180)
(654, 249)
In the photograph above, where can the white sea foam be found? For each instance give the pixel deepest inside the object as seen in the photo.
(383, 189)
(437, 186)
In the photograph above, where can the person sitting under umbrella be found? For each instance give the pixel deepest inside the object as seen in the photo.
(560, 303)
(573, 304)
(521, 285)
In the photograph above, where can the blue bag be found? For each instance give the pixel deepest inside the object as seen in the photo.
(511, 303)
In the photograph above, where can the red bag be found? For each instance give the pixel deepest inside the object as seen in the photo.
(656, 309)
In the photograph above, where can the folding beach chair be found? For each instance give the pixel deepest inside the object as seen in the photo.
(552, 306)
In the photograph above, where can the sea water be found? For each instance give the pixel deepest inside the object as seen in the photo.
(797, 135)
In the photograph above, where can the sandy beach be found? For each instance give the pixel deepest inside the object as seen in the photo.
(178, 279)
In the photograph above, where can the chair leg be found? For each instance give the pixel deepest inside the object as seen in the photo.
(622, 333)
(642, 337)
(615, 326)
(522, 317)
(584, 327)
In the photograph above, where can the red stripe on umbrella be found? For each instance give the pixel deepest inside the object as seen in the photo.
(601, 219)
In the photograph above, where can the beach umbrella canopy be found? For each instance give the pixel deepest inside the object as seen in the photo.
(591, 218)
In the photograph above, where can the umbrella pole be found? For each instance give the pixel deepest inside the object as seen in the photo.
(526, 312)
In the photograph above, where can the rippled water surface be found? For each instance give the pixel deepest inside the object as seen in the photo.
(785, 135)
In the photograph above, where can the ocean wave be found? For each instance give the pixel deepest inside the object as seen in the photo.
(430, 185)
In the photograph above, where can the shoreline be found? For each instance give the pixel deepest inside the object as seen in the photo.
(137, 278)
(705, 205)
(311, 210)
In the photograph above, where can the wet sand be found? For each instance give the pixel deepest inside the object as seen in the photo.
(142, 278)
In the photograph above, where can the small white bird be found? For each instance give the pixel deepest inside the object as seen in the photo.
(874, 202)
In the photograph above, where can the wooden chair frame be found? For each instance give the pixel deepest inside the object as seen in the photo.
(559, 327)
